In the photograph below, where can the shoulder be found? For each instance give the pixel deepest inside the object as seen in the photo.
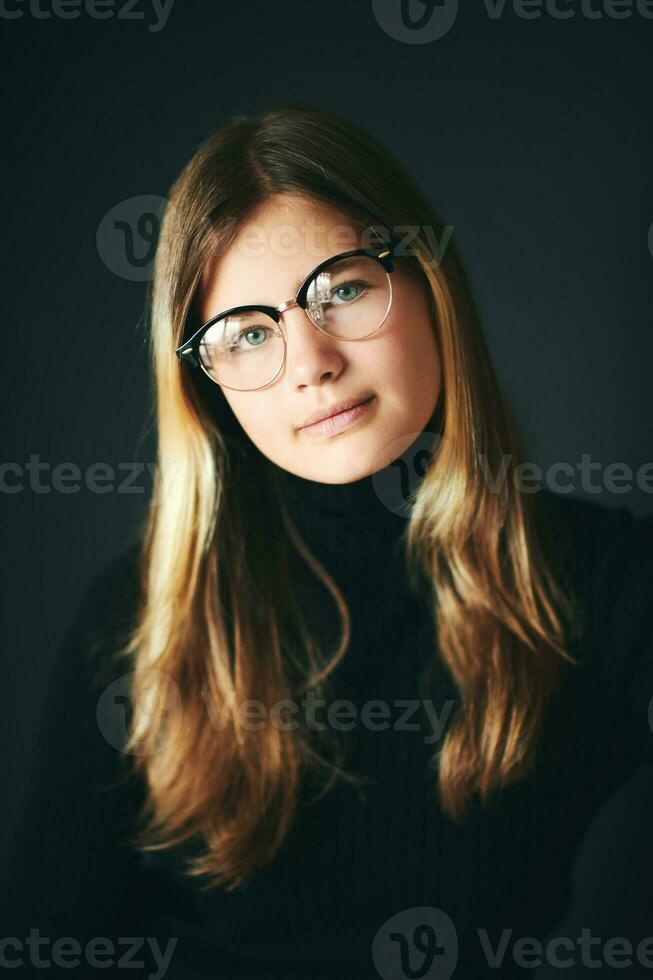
(609, 553)
(604, 549)
(582, 523)
(104, 615)
(607, 550)
(113, 590)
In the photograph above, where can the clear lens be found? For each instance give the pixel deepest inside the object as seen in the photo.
(243, 351)
(350, 298)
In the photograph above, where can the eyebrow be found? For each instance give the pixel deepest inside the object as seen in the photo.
(295, 286)
(347, 263)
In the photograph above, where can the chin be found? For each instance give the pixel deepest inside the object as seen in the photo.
(345, 467)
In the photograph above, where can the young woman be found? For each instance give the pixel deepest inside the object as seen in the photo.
(378, 686)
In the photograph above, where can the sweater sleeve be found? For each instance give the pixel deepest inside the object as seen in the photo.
(623, 613)
(70, 870)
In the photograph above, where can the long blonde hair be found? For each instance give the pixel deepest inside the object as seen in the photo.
(500, 608)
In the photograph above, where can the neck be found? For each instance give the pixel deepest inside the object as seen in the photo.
(373, 498)
(349, 523)
(356, 529)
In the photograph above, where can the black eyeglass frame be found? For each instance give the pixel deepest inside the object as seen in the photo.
(188, 352)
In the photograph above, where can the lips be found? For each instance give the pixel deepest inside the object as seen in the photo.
(335, 409)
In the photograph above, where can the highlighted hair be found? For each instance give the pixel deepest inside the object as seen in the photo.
(200, 646)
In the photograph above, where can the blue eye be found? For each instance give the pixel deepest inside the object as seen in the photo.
(248, 332)
(351, 290)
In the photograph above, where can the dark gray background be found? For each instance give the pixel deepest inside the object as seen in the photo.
(532, 137)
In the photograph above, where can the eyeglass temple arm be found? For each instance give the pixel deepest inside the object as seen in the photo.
(188, 356)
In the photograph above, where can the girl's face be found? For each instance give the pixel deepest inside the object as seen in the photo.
(398, 366)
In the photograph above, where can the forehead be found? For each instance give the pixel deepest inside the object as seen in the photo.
(273, 252)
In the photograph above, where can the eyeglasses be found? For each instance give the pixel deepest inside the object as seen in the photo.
(348, 297)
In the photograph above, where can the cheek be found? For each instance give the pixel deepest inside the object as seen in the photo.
(412, 357)
(425, 354)
(247, 411)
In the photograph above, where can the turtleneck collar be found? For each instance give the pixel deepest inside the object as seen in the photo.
(372, 499)
(357, 529)
(381, 498)
(350, 525)
(362, 499)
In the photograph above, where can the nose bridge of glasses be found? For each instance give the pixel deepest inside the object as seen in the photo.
(292, 304)
(288, 305)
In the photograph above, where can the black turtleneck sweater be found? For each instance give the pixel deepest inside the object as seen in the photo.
(369, 877)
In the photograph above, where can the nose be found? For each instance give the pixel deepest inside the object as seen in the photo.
(310, 354)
